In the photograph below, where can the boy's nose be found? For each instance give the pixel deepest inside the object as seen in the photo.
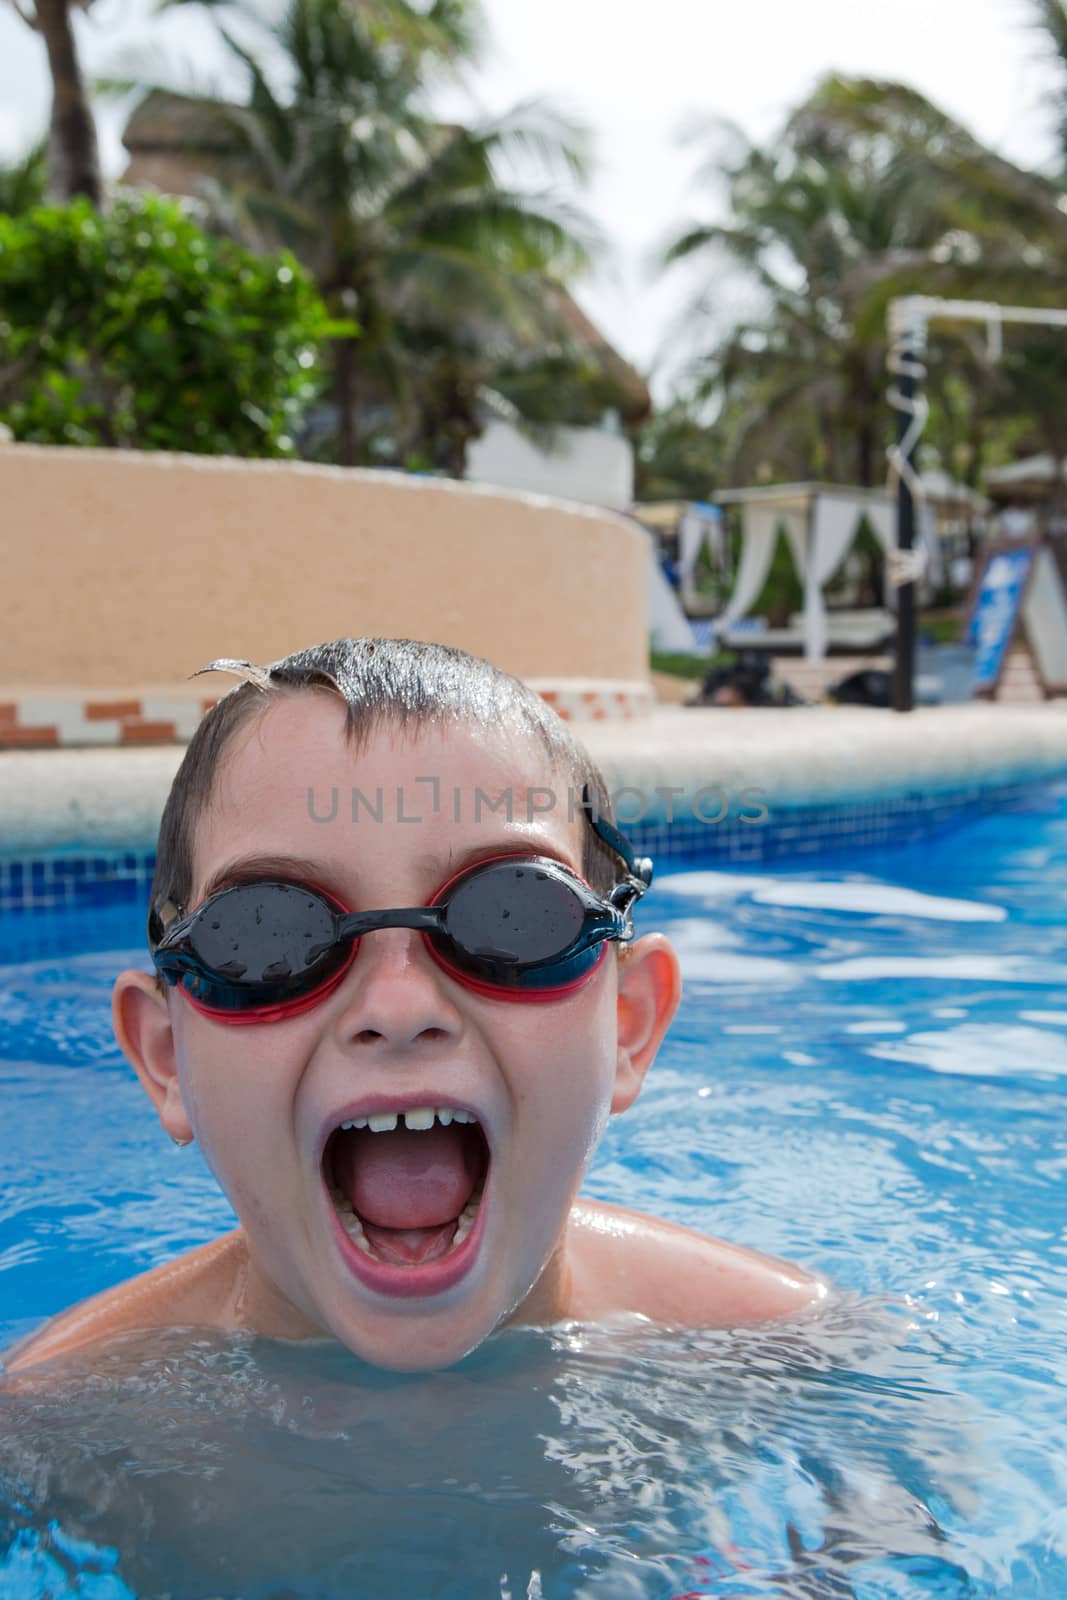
(394, 992)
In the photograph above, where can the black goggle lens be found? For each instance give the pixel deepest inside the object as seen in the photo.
(514, 914)
(263, 932)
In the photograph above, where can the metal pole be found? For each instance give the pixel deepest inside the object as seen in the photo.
(904, 665)
(907, 346)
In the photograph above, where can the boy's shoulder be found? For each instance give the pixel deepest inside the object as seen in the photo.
(624, 1260)
(620, 1260)
(195, 1289)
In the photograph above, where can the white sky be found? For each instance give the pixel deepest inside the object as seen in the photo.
(633, 70)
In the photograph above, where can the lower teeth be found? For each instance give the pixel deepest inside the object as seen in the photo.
(354, 1228)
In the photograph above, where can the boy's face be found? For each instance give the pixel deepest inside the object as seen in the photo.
(261, 1098)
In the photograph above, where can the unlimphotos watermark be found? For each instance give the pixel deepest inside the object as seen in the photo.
(711, 804)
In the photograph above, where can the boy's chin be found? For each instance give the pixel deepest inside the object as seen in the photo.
(416, 1348)
(443, 1336)
(424, 1336)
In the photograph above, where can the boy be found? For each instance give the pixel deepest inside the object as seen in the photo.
(401, 1109)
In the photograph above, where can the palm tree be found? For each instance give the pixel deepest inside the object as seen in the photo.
(74, 161)
(971, 186)
(820, 238)
(871, 192)
(407, 225)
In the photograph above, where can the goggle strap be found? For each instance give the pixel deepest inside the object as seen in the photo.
(638, 867)
(161, 919)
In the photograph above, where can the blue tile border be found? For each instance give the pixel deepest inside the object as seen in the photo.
(68, 881)
(805, 830)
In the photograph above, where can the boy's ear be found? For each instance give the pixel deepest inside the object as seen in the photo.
(140, 1017)
(650, 987)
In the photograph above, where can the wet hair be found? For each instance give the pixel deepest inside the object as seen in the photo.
(396, 683)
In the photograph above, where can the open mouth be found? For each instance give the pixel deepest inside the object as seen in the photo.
(407, 1186)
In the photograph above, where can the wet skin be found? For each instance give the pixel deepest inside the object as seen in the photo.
(543, 1076)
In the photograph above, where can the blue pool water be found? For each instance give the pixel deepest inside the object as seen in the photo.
(868, 1075)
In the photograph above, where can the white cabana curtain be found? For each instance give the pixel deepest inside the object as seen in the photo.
(834, 525)
(795, 524)
(759, 530)
(699, 523)
(883, 519)
(690, 539)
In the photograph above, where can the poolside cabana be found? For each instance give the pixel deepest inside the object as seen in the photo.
(821, 522)
(1035, 487)
(1035, 479)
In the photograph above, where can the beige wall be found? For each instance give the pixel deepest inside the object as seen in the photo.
(124, 569)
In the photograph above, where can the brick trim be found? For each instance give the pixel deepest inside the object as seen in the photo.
(35, 721)
(111, 710)
(596, 700)
(44, 736)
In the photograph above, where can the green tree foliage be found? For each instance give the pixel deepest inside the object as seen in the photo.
(24, 184)
(677, 455)
(408, 225)
(137, 329)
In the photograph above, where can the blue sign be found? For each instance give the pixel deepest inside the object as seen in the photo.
(996, 611)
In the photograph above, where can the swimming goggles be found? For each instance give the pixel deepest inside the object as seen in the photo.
(514, 927)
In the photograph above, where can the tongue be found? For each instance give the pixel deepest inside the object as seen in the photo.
(406, 1179)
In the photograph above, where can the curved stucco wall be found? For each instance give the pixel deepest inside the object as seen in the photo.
(124, 569)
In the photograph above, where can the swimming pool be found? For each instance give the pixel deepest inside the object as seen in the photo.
(867, 1075)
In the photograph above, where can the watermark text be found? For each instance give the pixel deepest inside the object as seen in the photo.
(712, 804)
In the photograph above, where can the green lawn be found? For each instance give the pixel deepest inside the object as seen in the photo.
(680, 665)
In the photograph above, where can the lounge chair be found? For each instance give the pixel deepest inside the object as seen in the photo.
(849, 633)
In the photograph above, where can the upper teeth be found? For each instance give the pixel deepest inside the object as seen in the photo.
(418, 1118)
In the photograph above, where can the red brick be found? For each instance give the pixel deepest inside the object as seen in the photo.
(148, 733)
(115, 710)
(9, 714)
(13, 737)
